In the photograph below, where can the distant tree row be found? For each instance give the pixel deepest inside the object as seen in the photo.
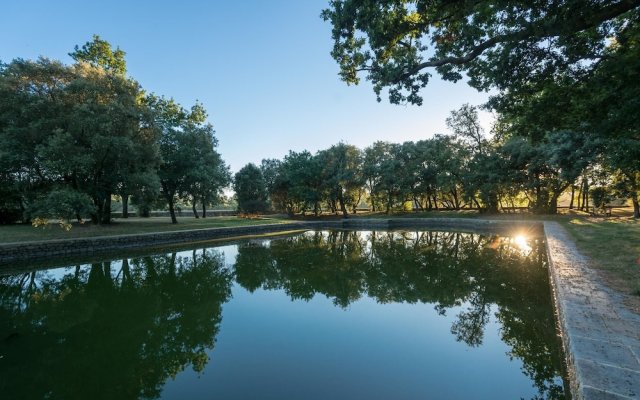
(464, 170)
(74, 136)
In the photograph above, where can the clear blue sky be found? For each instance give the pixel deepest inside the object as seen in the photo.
(261, 68)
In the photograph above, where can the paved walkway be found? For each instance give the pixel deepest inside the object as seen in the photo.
(601, 334)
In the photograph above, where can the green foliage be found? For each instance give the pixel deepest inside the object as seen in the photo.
(251, 190)
(565, 75)
(99, 53)
(87, 128)
(341, 174)
(600, 196)
(499, 44)
(295, 184)
(63, 204)
(191, 168)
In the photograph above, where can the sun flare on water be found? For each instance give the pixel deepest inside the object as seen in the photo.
(521, 243)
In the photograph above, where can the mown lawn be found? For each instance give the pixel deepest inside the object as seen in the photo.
(614, 245)
(23, 233)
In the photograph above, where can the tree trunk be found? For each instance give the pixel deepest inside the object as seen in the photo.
(454, 195)
(492, 203)
(553, 204)
(573, 192)
(585, 194)
(343, 208)
(389, 197)
(636, 206)
(584, 190)
(193, 208)
(172, 210)
(477, 204)
(580, 197)
(204, 209)
(106, 211)
(125, 206)
(168, 196)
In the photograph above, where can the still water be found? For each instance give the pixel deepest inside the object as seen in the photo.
(317, 315)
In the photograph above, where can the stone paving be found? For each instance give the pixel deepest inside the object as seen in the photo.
(601, 335)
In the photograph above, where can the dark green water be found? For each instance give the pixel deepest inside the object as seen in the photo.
(319, 315)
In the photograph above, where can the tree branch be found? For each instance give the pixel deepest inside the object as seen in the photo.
(552, 28)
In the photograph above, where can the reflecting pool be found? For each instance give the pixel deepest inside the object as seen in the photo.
(316, 315)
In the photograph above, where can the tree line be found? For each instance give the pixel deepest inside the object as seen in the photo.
(74, 136)
(563, 76)
(466, 169)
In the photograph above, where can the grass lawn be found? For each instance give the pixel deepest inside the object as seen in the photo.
(23, 233)
(614, 245)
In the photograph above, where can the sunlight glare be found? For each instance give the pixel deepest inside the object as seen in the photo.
(521, 242)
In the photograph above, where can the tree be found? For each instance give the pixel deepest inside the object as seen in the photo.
(623, 156)
(99, 53)
(374, 156)
(250, 188)
(209, 175)
(465, 125)
(102, 148)
(71, 126)
(341, 174)
(178, 131)
(68, 132)
(270, 169)
(499, 44)
(483, 170)
(31, 109)
(298, 184)
(442, 170)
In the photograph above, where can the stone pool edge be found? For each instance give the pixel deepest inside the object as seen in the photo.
(600, 335)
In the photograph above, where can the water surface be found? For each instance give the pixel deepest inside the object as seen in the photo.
(331, 314)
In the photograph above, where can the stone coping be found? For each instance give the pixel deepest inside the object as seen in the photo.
(601, 336)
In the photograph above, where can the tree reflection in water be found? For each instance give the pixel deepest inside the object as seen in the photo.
(120, 329)
(114, 330)
(481, 273)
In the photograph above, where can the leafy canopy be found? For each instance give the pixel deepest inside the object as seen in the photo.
(499, 43)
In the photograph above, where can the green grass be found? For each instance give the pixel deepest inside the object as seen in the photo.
(24, 233)
(614, 245)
